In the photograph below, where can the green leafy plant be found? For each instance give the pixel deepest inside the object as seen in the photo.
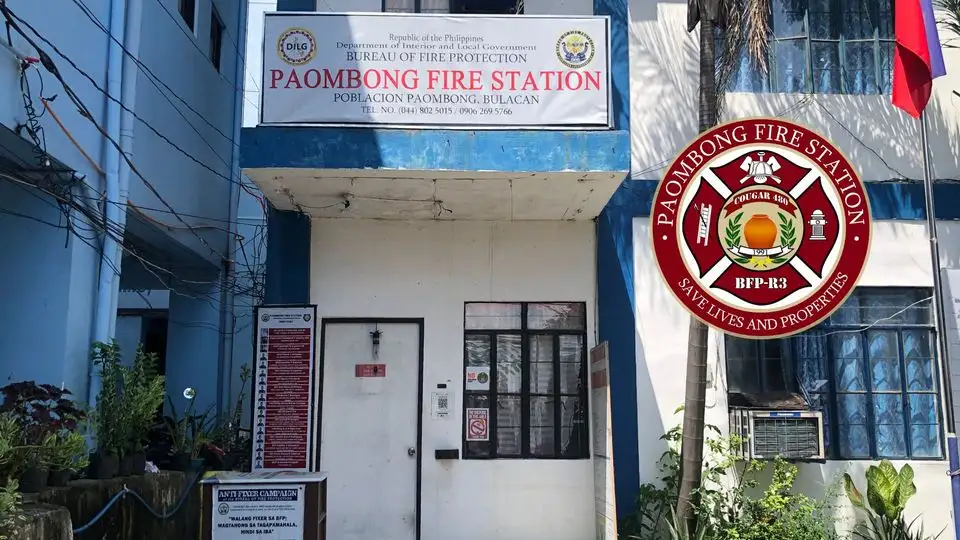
(142, 397)
(732, 234)
(788, 235)
(727, 507)
(109, 414)
(11, 511)
(227, 435)
(68, 451)
(888, 491)
(191, 432)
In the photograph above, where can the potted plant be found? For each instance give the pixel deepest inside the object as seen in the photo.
(231, 447)
(142, 397)
(68, 455)
(108, 415)
(36, 464)
(41, 411)
(188, 433)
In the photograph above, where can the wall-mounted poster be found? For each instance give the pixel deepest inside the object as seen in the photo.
(283, 416)
(478, 378)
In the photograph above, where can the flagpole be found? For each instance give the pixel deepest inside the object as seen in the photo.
(941, 319)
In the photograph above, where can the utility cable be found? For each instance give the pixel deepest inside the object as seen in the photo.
(151, 76)
(48, 63)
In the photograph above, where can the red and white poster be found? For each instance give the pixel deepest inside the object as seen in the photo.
(283, 416)
(478, 425)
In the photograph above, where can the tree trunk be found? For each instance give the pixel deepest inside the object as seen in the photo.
(691, 450)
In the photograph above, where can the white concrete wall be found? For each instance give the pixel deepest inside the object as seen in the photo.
(663, 108)
(429, 269)
(899, 256)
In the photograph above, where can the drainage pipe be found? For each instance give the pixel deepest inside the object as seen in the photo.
(111, 168)
(228, 320)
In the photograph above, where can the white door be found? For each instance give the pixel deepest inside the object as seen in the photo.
(368, 445)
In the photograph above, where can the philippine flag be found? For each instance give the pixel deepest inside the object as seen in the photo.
(918, 58)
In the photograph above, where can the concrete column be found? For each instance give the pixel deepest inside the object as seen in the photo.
(193, 340)
(47, 285)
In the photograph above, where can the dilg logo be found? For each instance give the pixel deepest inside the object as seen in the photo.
(223, 509)
(296, 46)
(575, 49)
(761, 228)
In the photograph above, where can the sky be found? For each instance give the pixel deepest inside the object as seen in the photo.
(254, 59)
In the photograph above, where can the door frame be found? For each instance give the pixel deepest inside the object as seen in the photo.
(321, 361)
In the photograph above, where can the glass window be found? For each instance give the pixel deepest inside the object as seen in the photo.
(870, 369)
(529, 361)
(825, 47)
(188, 10)
(511, 7)
(216, 38)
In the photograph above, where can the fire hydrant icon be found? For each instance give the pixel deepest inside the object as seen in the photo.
(817, 222)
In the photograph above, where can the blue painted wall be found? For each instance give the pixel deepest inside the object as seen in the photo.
(49, 284)
(193, 341)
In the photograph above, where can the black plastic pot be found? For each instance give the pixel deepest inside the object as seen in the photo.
(125, 467)
(138, 464)
(59, 477)
(34, 480)
(180, 462)
(103, 467)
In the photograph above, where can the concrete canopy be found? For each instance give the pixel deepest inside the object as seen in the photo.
(436, 174)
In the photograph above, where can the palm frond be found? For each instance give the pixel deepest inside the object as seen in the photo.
(949, 17)
(745, 31)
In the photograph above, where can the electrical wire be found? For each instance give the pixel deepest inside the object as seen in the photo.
(48, 63)
(153, 77)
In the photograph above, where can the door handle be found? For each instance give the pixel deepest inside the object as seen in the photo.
(411, 451)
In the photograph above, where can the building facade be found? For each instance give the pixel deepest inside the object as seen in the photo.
(450, 245)
(872, 369)
(120, 188)
(446, 243)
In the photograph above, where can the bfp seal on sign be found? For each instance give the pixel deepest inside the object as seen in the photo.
(761, 228)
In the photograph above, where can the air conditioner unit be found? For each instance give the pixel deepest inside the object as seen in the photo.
(766, 434)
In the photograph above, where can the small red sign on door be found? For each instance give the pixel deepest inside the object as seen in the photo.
(371, 370)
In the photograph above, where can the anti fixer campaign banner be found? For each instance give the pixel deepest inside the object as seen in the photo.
(436, 70)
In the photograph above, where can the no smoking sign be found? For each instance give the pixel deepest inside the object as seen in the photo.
(478, 424)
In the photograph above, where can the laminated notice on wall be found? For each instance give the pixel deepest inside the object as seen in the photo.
(273, 512)
(440, 404)
(478, 378)
(478, 425)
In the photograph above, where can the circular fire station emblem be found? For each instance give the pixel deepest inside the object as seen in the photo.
(761, 228)
(297, 46)
(575, 49)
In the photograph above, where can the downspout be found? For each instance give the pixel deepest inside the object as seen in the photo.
(228, 314)
(128, 95)
(111, 168)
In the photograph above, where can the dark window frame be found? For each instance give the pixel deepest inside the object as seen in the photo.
(829, 393)
(217, 28)
(581, 451)
(770, 82)
(456, 7)
(188, 11)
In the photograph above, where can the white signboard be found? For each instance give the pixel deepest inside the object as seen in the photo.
(478, 378)
(283, 412)
(261, 512)
(439, 71)
(603, 486)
